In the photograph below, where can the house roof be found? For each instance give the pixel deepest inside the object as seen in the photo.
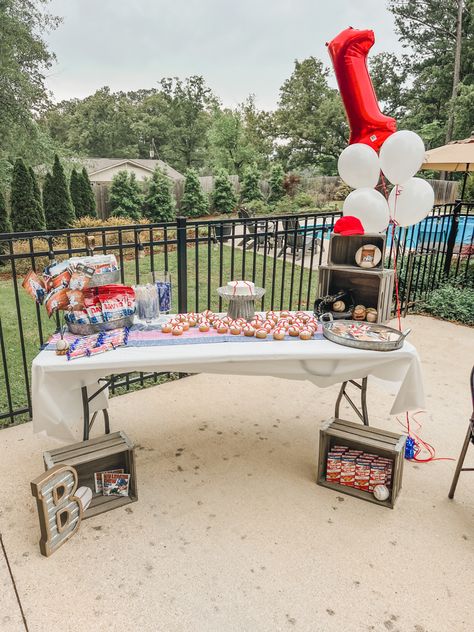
(96, 165)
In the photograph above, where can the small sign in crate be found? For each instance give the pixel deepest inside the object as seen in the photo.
(383, 443)
(108, 452)
(343, 248)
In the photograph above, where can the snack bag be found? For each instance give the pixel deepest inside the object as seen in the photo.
(80, 277)
(35, 286)
(76, 299)
(56, 300)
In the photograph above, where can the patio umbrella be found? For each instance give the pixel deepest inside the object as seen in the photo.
(457, 155)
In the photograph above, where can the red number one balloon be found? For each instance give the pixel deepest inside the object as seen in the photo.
(348, 52)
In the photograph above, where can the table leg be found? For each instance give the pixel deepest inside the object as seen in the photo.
(87, 421)
(363, 412)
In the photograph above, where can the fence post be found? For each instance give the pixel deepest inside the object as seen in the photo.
(182, 266)
(452, 236)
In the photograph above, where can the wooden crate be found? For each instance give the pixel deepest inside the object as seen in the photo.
(343, 248)
(381, 442)
(371, 288)
(108, 452)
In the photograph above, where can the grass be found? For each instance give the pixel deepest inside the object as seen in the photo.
(274, 275)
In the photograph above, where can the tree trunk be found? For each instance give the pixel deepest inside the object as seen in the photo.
(456, 72)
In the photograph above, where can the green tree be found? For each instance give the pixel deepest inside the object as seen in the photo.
(194, 202)
(428, 32)
(159, 203)
(24, 59)
(75, 189)
(125, 196)
(229, 145)
(277, 177)
(186, 113)
(88, 197)
(36, 189)
(310, 119)
(223, 198)
(26, 213)
(101, 125)
(5, 224)
(58, 208)
(250, 189)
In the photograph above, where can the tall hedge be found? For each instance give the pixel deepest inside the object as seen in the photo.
(75, 189)
(223, 198)
(159, 203)
(88, 197)
(125, 196)
(251, 184)
(194, 202)
(277, 177)
(5, 225)
(26, 211)
(58, 208)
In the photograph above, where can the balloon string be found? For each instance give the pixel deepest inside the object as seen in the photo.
(394, 250)
(421, 446)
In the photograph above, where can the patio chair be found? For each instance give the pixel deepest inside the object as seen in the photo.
(298, 239)
(468, 439)
(258, 231)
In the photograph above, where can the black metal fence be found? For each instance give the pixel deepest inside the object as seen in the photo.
(280, 253)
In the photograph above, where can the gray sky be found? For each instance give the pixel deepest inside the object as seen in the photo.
(239, 46)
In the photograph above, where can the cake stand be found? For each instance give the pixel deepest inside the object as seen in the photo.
(241, 306)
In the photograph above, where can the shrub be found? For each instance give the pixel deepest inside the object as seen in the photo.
(159, 202)
(303, 199)
(58, 208)
(26, 212)
(75, 189)
(223, 197)
(194, 203)
(36, 189)
(452, 303)
(258, 207)
(277, 177)
(291, 184)
(88, 197)
(125, 196)
(286, 205)
(341, 192)
(251, 184)
(5, 225)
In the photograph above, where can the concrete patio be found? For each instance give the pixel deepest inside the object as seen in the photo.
(231, 533)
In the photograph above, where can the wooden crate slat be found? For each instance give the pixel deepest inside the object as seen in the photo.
(370, 288)
(376, 440)
(353, 424)
(343, 248)
(97, 448)
(97, 455)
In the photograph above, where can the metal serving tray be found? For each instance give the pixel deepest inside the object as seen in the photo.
(384, 338)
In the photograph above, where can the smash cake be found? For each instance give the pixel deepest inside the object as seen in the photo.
(241, 288)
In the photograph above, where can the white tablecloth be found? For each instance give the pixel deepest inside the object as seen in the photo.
(56, 383)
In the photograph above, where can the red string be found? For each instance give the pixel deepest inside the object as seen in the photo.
(421, 446)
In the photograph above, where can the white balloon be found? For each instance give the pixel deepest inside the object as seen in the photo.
(411, 202)
(401, 156)
(359, 166)
(370, 207)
